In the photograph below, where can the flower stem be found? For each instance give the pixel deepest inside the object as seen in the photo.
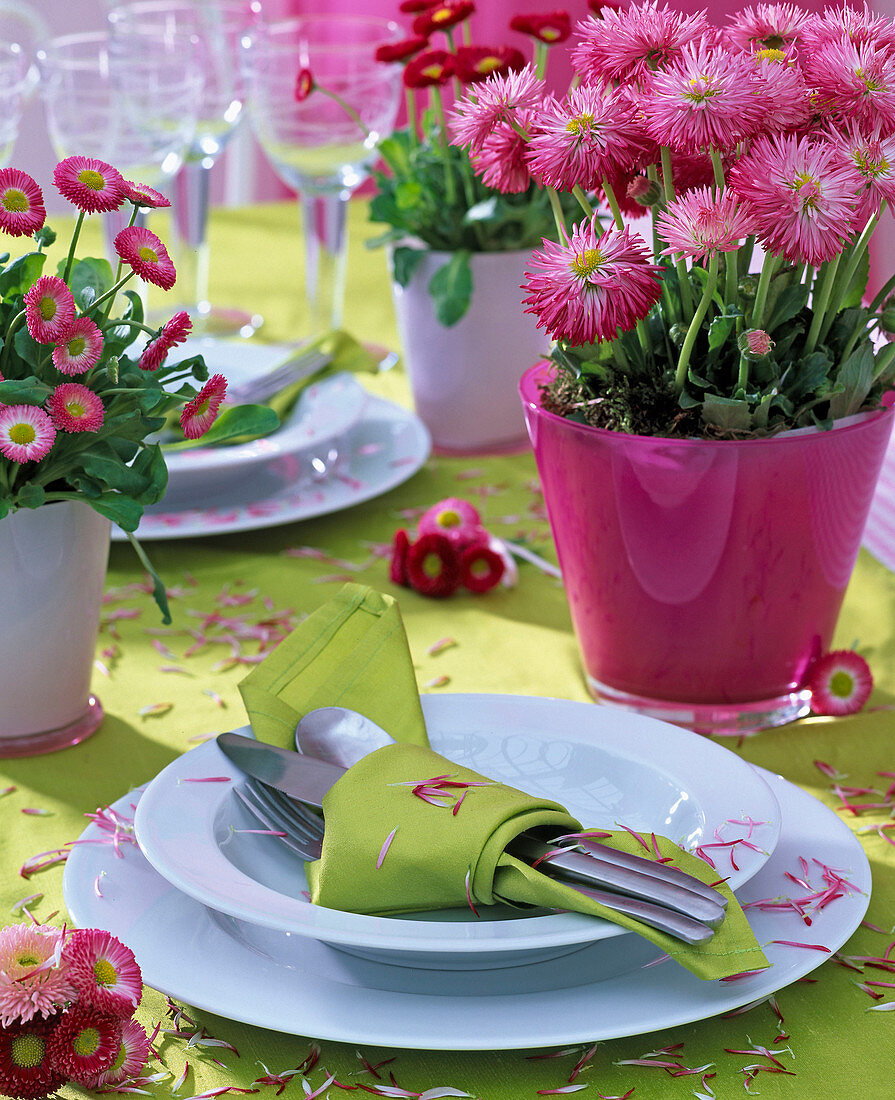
(579, 194)
(7, 340)
(346, 107)
(683, 278)
(110, 293)
(556, 207)
(844, 277)
(540, 59)
(70, 259)
(821, 301)
(718, 169)
(410, 102)
(761, 295)
(450, 186)
(613, 203)
(883, 361)
(683, 362)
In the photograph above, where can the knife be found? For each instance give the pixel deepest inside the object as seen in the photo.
(307, 779)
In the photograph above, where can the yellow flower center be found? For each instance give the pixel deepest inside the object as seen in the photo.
(86, 1042)
(808, 190)
(487, 65)
(75, 409)
(549, 34)
(770, 54)
(23, 434)
(867, 166)
(587, 263)
(580, 124)
(26, 960)
(441, 15)
(15, 200)
(148, 255)
(92, 179)
(104, 972)
(48, 308)
(448, 518)
(76, 346)
(842, 684)
(701, 88)
(27, 1051)
(433, 72)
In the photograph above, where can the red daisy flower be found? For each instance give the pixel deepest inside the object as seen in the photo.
(199, 414)
(553, 27)
(840, 683)
(304, 85)
(92, 185)
(441, 17)
(85, 1043)
(481, 568)
(132, 1056)
(80, 347)
(22, 210)
(75, 408)
(476, 63)
(49, 309)
(433, 567)
(104, 971)
(140, 194)
(25, 1069)
(400, 51)
(411, 7)
(397, 567)
(145, 253)
(174, 332)
(429, 68)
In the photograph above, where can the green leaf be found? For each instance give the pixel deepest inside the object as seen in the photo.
(21, 274)
(159, 592)
(451, 289)
(233, 422)
(119, 508)
(719, 330)
(103, 464)
(150, 465)
(791, 301)
(90, 278)
(28, 349)
(24, 391)
(726, 413)
(856, 289)
(404, 262)
(31, 495)
(856, 377)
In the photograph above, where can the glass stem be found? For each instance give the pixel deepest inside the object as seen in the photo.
(326, 255)
(190, 221)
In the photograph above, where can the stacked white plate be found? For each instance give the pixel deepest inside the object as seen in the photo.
(218, 916)
(338, 447)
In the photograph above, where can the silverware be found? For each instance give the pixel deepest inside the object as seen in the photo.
(302, 364)
(303, 779)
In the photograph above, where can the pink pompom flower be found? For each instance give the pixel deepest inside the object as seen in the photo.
(49, 309)
(854, 82)
(199, 414)
(781, 87)
(766, 26)
(104, 972)
(701, 221)
(501, 160)
(802, 194)
(840, 683)
(92, 185)
(173, 333)
(140, 194)
(455, 518)
(22, 210)
(142, 250)
(75, 408)
(26, 433)
(79, 348)
(499, 99)
(873, 156)
(85, 1043)
(32, 981)
(591, 286)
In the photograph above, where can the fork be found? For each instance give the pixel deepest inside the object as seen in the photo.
(302, 364)
(303, 834)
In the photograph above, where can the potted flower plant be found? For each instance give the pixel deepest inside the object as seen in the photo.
(458, 241)
(709, 429)
(80, 417)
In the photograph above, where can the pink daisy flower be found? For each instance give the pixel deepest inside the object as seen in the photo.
(625, 45)
(840, 683)
(25, 1067)
(32, 981)
(75, 408)
(174, 332)
(142, 195)
(874, 158)
(92, 185)
(766, 26)
(704, 99)
(756, 343)
(582, 139)
(79, 348)
(782, 90)
(501, 160)
(199, 414)
(591, 287)
(498, 99)
(802, 195)
(49, 309)
(26, 433)
(133, 1053)
(85, 1043)
(459, 520)
(145, 253)
(701, 221)
(22, 210)
(854, 82)
(104, 972)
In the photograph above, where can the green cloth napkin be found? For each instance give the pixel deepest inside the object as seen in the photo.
(351, 652)
(438, 859)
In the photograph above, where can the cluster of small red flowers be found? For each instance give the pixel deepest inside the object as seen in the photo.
(451, 550)
(67, 1002)
(429, 65)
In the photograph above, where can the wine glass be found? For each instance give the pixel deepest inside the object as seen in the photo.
(322, 145)
(209, 31)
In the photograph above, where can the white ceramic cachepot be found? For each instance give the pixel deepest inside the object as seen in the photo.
(464, 378)
(52, 569)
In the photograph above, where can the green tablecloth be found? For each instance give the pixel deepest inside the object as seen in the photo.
(518, 642)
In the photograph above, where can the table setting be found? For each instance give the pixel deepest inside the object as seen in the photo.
(370, 759)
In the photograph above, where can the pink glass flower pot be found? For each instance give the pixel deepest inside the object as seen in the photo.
(52, 569)
(704, 576)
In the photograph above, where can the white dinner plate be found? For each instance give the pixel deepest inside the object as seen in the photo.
(385, 448)
(311, 990)
(605, 765)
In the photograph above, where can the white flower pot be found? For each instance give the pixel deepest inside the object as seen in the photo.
(464, 378)
(52, 570)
